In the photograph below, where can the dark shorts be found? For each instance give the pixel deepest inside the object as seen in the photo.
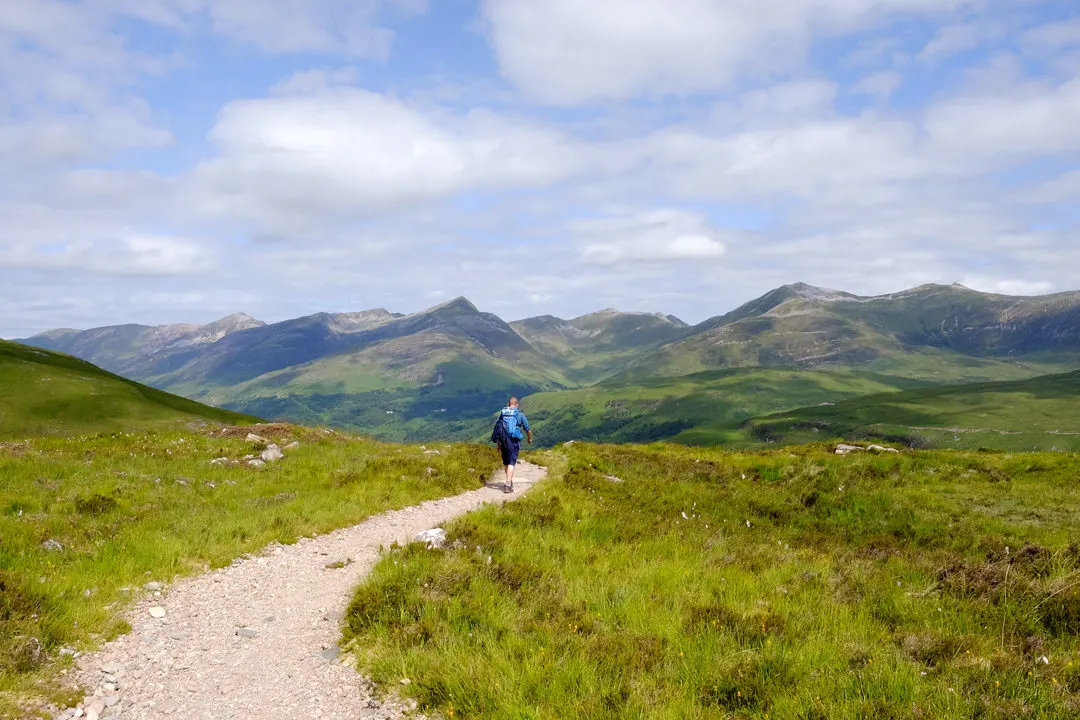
(510, 450)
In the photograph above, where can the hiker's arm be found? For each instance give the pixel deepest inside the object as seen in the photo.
(525, 424)
(528, 434)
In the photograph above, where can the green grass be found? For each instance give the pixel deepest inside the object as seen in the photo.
(50, 393)
(711, 584)
(1038, 414)
(130, 508)
(703, 408)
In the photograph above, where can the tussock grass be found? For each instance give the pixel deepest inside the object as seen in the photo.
(706, 584)
(131, 508)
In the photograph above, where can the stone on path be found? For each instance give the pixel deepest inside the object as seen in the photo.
(157, 612)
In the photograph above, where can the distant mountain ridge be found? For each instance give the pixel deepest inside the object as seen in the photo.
(395, 375)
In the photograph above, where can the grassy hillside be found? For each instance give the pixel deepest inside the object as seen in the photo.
(667, 582)
(1037, 414)
(43, 392)
(703, 408)
(800, 325)
(590, 347)
(150, 506)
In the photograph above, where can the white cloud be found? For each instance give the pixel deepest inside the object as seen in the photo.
(136, 254)
(950, 40)
(1011, 286)
(879, 85)
(655, 236)
(569, 52)
(1051, 37)
(343, 152)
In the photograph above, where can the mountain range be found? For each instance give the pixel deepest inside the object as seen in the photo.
(442, 371)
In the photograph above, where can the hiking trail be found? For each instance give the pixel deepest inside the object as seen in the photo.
(259, 638)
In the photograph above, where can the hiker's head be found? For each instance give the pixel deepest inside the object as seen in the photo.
(513, 402)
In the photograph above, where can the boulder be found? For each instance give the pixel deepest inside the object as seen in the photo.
(434, 538)
(846, 449)
(252, 437)
(880, 448)
(272, 454)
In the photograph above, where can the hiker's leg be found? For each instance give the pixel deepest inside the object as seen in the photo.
(510, 475)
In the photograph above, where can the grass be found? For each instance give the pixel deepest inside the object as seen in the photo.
(128, 508)
(50, 393)
(704, 408)
(1042, 413)
(672, 582)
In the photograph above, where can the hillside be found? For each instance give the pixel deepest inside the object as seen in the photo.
(47, 393)
(439, 373)
(804, 326)
(1042, 413)
(591, 346)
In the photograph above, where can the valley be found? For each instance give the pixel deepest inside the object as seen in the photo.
(629, 377)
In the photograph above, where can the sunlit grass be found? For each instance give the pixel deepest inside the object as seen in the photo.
(131, 508)
(721, 585)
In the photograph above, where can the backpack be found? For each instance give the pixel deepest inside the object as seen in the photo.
(510, 417)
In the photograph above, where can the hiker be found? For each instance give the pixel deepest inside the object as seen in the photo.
(507, 435)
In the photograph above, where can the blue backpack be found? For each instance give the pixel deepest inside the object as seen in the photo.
(510, 417)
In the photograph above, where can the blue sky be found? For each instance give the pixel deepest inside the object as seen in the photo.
(179, 160)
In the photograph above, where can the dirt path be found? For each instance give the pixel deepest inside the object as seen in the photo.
(257, 639)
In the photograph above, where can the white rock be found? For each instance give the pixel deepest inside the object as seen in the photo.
(252, 437)
(52, 545)
(434, 538)
(272, 454)
(256, 463)
(292, 446)
(157, 612)
(432, 452)
(152, 586)
(845, 449)
(879, 448)
(220, 461)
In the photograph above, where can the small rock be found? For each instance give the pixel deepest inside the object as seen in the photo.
(292, 446)
(252, 437)
(272, 454)
(432, 452)
(247, 632)
(434, 538)
(220, 461)
(571, 443)
(67, 652)
(94, 708)
(406, 681)
(153, 586)
(613, 478)
(256, 463)
(52, 545)
(846, 449)
(111, 668)
(880, 448)
(157, 612)
(111, 700)
(330, 653)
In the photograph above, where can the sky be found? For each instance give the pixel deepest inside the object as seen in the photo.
(180, 160)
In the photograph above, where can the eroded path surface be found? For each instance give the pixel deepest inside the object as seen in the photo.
(257, 639)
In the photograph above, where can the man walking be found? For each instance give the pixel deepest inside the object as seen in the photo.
(508, 434)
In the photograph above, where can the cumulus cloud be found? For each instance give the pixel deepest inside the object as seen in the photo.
(344, 152)
(567, 52)
(654, 236)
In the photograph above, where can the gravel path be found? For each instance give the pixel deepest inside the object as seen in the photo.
(257, 639)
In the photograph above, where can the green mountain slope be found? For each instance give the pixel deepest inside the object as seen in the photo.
(704, 408)
(43, 392)
(1042, 413)
(803, 326)
(590, 347)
